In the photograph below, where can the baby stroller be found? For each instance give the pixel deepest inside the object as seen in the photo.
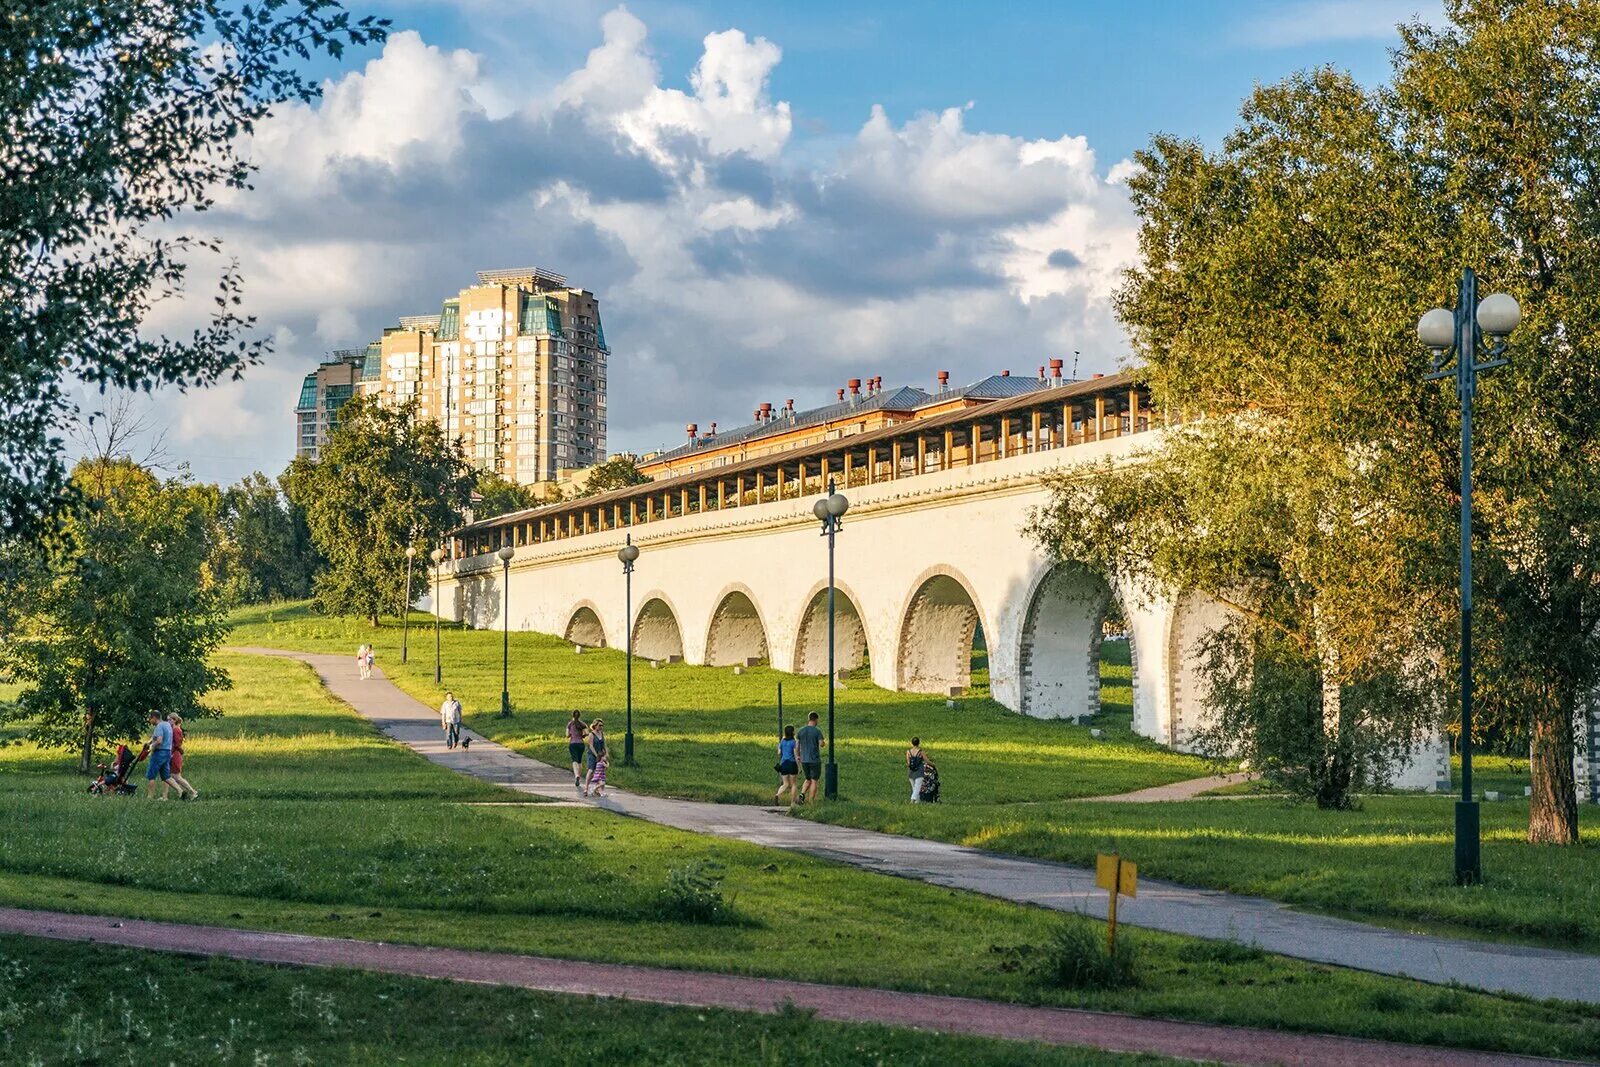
(115, 778)
(930, 783)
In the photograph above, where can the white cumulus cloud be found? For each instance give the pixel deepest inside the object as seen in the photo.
(733, 265)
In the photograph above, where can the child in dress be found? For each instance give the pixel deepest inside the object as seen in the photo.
(597, 777)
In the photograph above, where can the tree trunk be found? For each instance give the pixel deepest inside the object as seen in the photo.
(1553, 808)
(86, 757)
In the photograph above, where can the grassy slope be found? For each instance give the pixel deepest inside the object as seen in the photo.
(312, 823)
(707, 733)
(1006, 779)
(129, 1007)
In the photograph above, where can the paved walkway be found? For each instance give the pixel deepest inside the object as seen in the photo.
(1533, 972)
(1185, 790)
(960, 1015)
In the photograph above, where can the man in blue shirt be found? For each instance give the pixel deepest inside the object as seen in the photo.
(160, 763)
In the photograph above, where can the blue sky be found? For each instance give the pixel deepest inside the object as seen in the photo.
(766, 198)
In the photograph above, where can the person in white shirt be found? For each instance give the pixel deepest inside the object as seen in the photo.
(450, 720)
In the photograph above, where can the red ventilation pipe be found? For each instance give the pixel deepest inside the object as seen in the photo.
(855, 386)
(944, 380)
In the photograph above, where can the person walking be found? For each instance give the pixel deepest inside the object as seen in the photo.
(595, 752)
(808, 747)
(787, 768)
(372, 658)
(362, 670)
(597, 780)
(575, 747)
(450, 720)
(914, 761)
(185, 790)
(159, 748)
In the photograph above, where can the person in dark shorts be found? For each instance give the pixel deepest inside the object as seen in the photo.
(787, 768)
(575, 732)
(808, 750)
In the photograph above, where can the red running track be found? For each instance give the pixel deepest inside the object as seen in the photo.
(1056, 1026)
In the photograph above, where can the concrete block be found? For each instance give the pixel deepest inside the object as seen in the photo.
(1490, 794)
(577, 650)
(738, 670)
(1527, 790)
(655, 665)
(1097, 733)
(950, 704)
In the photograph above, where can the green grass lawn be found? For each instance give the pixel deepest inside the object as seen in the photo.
(67, 1003)
(1008, 781)
(706, 733)
(311, 822)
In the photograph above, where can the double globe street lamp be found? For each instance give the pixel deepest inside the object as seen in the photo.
(628, 553)
(830, 511)
(1459, 334)
(504, 555)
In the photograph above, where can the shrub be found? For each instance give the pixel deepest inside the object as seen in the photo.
(694, 894)
(1075, 957)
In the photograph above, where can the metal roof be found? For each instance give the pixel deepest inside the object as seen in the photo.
(1032, 398)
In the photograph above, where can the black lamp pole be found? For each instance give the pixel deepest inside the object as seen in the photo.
(405, 609)
(628, 553)
(505, 554)
(1459, 334)
(437, 555)
(830, 509)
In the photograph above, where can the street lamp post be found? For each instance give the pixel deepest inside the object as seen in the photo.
(830, 510)
(505, 554)
(405, 609)
(1459, 334)
(437, 555)
(627, 554)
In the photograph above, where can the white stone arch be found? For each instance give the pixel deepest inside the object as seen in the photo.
(852, 645)
(584, 626)
(737, 632)
(657, 634)
(1059, 643)
(933, 650)
(1193, 616)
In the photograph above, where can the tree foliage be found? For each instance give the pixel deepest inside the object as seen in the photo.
(383, 480)
(1279, 283)
(614, 473)
(263, 547)
(118, 118)
(119, 616)
(497, 496)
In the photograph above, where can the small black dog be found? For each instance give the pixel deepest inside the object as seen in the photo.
(466, 743)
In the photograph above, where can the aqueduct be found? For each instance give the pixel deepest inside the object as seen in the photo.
(732, 570)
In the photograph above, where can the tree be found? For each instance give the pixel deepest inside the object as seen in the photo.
(117, 119)
(614, 473)
(383, 480)
(1279, 282)
(265, 541)
(119, 618)
(497, 496)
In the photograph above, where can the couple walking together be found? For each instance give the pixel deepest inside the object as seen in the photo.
(800, 751)
(586, 747)
(165, 749)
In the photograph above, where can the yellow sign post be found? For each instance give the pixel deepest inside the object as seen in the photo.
(1119, 878)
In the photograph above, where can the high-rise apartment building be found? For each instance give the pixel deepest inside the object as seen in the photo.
(323, 392)
(514, 366)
